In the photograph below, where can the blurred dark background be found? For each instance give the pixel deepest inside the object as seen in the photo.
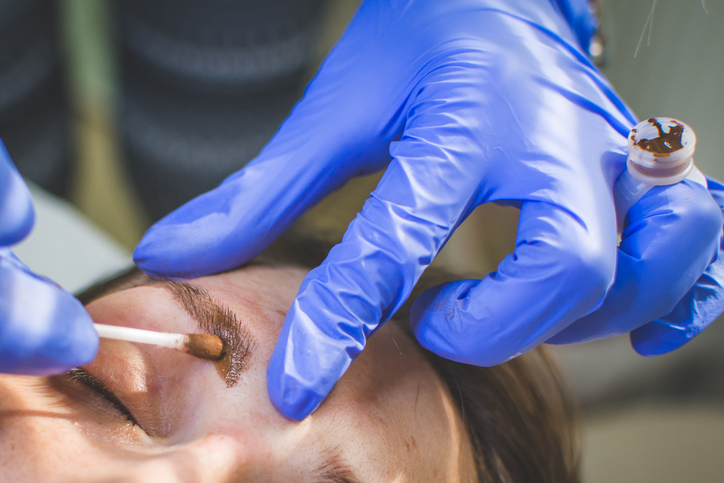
(196, 88)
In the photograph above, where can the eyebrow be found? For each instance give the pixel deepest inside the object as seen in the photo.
(334, 470)
(215, 318)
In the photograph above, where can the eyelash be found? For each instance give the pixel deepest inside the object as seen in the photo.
(82, 377)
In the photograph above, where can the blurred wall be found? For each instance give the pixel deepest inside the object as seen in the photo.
(679, 74)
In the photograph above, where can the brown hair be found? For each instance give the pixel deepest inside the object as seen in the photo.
(519, 415)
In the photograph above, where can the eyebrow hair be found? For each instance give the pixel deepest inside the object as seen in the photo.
(211, 315)
(215, 318)
(334, 470)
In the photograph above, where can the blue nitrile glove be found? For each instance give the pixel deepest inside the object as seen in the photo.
(43, 329)
(463, 102)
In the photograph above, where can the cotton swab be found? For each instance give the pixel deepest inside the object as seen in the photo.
(203, 346)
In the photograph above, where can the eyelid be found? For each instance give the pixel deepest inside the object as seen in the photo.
(79, 376)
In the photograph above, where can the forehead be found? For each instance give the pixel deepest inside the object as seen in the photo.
(260, 294)
(256, 288)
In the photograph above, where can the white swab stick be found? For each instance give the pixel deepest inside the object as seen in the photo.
(163, 339)
(204, 346)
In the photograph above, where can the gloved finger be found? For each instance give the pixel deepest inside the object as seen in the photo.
(427, 190)
(231, 224)
(695, 311)
(559, 271)
(672, 236)
(342, 302)
(16, 205)
(339, 130)
(43, 329)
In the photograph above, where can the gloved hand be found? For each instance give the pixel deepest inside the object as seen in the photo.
(43, 328)
(463, 102)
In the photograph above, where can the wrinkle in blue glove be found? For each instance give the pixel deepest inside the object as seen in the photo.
(462, 102)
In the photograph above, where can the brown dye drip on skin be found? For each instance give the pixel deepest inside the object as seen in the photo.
(665, 143)
(218, 320)
(231, 365)
(204, 346)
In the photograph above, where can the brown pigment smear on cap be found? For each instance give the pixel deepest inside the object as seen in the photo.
(665, 143)
(219, 320)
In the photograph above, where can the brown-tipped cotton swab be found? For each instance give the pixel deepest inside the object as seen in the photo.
(203, 346)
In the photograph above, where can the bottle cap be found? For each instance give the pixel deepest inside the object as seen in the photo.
(660, 151)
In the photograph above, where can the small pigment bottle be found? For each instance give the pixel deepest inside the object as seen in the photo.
(660, 153)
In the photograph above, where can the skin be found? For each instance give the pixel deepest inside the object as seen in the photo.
(388, 419)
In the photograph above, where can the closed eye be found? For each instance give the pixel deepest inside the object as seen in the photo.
(81, 377)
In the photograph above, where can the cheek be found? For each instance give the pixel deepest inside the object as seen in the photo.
(36, 447)
(392, 409)
(387, 381)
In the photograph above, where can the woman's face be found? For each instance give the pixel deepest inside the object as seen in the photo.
(388, 419)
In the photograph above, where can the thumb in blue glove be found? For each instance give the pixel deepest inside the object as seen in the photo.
(43, 329)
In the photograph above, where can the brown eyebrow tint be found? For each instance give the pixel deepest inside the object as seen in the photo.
(217, 319)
